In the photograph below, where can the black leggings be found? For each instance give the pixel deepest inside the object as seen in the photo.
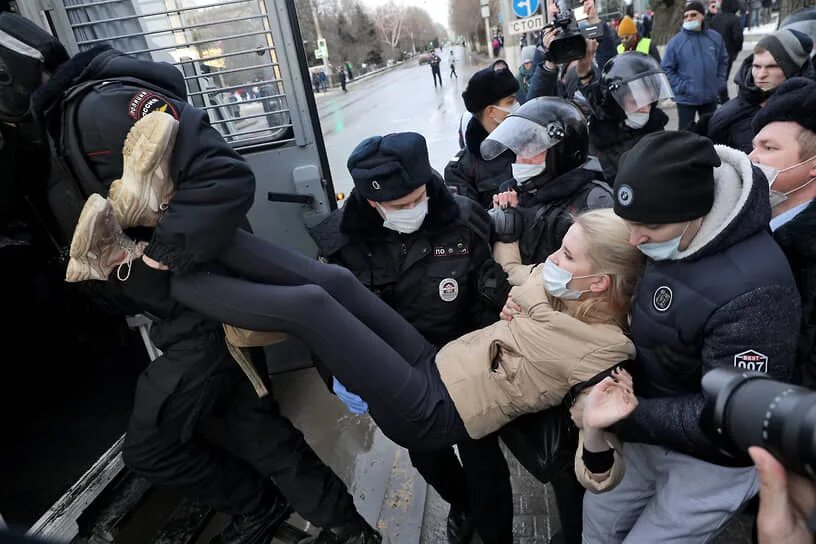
(361, 340)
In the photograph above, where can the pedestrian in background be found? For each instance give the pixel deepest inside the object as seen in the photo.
(695, 62)
(343, 77)
(723, 19)
(435, 68)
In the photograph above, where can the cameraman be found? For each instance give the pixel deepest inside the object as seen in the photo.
(786, 501)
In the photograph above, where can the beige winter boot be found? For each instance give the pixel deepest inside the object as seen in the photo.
(99, 245)
(144, 190)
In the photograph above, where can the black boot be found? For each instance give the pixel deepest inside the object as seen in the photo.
(258, 527)
(354, 532)
(460, 526)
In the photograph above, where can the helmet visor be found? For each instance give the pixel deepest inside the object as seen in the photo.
(637, 93)
(522, 136)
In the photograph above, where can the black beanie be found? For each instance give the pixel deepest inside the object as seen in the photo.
(668, 177)
(789, 48)
(694, 5)
(487, 87)
(32, 35)
(794, 100)
(389, 167)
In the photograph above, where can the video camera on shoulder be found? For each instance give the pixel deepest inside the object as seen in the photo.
(574, 29)
(749, 409)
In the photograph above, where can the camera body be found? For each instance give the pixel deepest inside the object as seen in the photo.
(748, 408)
(573, 31)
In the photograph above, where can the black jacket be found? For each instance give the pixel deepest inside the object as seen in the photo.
(609, 139)
(547, 211)
(799, 245)
(728, 300)
(729, 27)
(214, 186)
(431, 277)
(731, 124)
(469, 175)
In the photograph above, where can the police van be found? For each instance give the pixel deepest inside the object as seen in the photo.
(65, 404)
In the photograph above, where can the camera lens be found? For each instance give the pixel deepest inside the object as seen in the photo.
(752, 410)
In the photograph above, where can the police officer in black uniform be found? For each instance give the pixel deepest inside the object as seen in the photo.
(86, 107)
(490, 96)
(426, 252)
(553, 176)
(554, 179)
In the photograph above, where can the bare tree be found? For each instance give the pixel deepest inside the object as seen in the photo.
(667, 19)
(389, 20)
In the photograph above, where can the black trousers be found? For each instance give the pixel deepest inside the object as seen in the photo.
(198, 425)
(361, 340)
(479, 485)
(686, 113)
(437, 74)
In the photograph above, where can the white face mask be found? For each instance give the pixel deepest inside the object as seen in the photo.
(509, 111)
(525, 172)
(663, 251)
(407, 220)
(771, 173)
(556, 280)
(636, 119)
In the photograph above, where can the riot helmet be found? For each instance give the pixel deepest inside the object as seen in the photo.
(26, 53)
(630, 82)
(543, 124)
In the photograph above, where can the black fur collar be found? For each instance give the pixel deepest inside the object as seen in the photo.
(66, 76)
(797, 235)
(360, 220)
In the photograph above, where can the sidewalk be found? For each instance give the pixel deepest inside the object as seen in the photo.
(334, 91)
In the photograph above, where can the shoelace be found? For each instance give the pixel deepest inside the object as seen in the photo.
(130, 248)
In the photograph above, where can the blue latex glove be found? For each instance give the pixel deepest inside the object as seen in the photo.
(355, 404)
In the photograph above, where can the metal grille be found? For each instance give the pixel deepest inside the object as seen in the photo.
(225, 49)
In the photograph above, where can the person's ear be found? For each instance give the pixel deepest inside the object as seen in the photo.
(372, 204)
(601, 284)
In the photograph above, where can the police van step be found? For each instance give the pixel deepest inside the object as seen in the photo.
(108, 514)
(185, 524)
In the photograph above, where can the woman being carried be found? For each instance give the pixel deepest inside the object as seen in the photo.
(569, 328)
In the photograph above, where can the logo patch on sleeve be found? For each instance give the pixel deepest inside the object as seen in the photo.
(751, 360)
(145, 102)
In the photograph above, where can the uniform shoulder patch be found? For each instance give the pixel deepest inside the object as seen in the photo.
(144, 102)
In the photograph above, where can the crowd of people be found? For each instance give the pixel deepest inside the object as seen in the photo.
(575, 258)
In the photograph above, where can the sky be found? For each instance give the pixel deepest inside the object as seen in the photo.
(438, 9)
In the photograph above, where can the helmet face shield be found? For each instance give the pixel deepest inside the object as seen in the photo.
(523, 137)
(640, 92)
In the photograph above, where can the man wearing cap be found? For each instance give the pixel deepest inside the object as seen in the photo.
(423, 251)
(716, 292)
(776, 58)
(630, 41)
(696, 63)
(722, 17)
(490, 96)
(786, 142)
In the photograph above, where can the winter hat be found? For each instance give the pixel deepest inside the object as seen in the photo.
(16, 29)
(488, 86)
(528, 53)
(694, 6)
(627, 27)
(668, 177)
(789, 48)
(794, 100)
(389, 167)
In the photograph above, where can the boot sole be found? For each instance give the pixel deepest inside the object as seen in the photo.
(148, 148)
(79, 268)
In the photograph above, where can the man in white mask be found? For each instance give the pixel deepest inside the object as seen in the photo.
(425, 252)
(716, 292)
(785, 147)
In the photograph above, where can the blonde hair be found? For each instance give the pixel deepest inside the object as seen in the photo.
(609, 252)
(807, 143)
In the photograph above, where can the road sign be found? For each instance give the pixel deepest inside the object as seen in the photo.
(525, 8)
(530, 24)
(318, 53)
(485, 12)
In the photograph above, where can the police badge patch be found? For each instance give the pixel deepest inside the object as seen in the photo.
(751, 360)
(145, 102)
(448, 289)
(662, 298)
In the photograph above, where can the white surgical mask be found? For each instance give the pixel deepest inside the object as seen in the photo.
(525, 172)
(636, 119)
(407, 220)
(691, 25)
(771, 173)
(556, 280)
(662, 251)
(509, 111)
